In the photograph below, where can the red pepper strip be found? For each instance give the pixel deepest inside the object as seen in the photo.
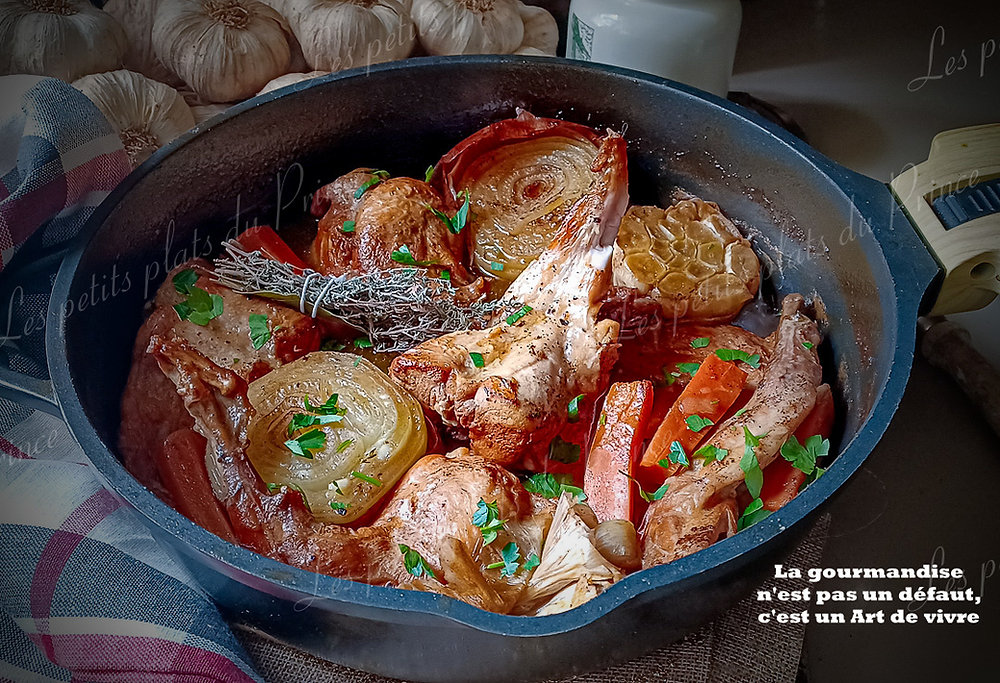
(264, 239)
(616, 449)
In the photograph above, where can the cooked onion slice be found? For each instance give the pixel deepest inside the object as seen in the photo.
(522, 174)
(380, 434)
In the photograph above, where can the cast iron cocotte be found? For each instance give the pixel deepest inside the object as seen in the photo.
(821, 230)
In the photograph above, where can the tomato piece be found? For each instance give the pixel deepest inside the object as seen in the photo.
(181, 465)
(712, 390)
(616, 448)
(264, 239)
(781, 479)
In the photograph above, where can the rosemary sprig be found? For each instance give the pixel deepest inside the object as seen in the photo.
(397, 308)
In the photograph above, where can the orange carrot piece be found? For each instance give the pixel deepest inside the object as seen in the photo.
(182, 470)
(781, 479)
(616, 448)
(714, 387)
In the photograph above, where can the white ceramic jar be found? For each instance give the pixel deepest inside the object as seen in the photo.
(691, 41)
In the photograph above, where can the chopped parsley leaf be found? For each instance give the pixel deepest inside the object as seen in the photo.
(364, 477)
(338, 507)
(803, 456)
(711, 453)
(328, 407)
(645, 495)
(200, 307)
(403, 255)
(739, 412)
(378, 176)
(807, 345)
(552, 486)
(754, 513)
(344, 445)
(457, 222)
(677, 454)
(304, 444)
(573, 410)
(415, 563)
(363, 343)
(303, 421)
(602, 420)
(753, 476)
(688, 368)
(736, 354)
(487, 518)
(260, 334)
(348, 226)
(696, 422)
(272, 487)
(445, 275)
(510, 555)
(816, 474)
(477, 359)
(184, 281)
(496, 266)
(518, 314)
(531, 562)
(563, 451)
(428, 174)
(700, 342)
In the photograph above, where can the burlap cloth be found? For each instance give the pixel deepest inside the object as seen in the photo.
(734, 647)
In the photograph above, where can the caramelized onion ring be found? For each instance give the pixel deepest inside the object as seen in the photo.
(522, 174)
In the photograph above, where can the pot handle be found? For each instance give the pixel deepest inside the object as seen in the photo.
(953, 199)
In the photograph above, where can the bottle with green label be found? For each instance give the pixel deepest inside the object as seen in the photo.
(691, 41)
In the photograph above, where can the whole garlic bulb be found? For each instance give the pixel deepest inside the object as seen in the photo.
(136, 17)
(146, 114)
(289, 79)
(541, 32)
(224, 49)
(463, 27)
(343, 34)
(62, 38)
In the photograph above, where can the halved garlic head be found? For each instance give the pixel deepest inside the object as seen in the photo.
(690, 257)
(358, 434)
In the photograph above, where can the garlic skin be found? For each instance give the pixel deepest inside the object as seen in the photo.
(136, 17)
(224, 50)
(541, 32)
(466, 27)
(343, 34)
(146, 114)
(61, 38)
(289, 79)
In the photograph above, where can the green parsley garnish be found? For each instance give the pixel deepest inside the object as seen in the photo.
(710, 453)
(645, 495)
(364, 477)
(487, 518)
(428, 174)
(415, 563)
(200, 307)
(700, 342)
(302, 421)
(328, 407)
(510, 554)
(803, 456)
(363, 343)
(260, 334)
(573, 410)
(816, 474)
(339, 508)
(736, 354)
(378, 176)
(477, 359)
(405, 256)
(272, 487)
(739, 412)
(496, 266)
(753, 475)
(304, 444)
(563, 451)
(445, 275)
(807, 345)
(696, 423)
(602, 420)
(552, 486)
(688, 368)
(184, 281)
(457, 222)
(677, 454)
(344, 445)
(348, 226)
(754, 513)
(531, 562)
(518, 314)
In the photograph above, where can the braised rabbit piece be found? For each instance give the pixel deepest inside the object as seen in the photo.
(411, 392)
(548, 348)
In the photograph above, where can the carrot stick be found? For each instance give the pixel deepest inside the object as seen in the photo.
(616, 449)
(712, 389)
(782, 480)
(182, 470)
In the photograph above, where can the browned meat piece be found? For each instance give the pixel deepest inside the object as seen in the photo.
(431, 511)
(699, 505)
(393, 215)
(515, 401)
(151, 409)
